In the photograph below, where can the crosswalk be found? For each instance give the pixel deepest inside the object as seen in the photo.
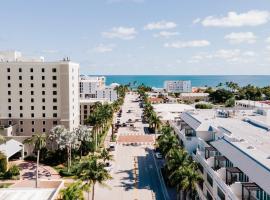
(125, 134)
(134, 143)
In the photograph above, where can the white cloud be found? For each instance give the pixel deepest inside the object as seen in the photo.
(233, 19)
(187, 44)
(241, 37)
(268, 40)
(101, 48)
(228, 55)
(249, 53)
(196, 21)
(161, 25)
(165, 34)
(124, 33)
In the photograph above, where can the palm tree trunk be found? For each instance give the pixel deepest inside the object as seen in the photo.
(93, 191)
(69, 157)
(38, 152)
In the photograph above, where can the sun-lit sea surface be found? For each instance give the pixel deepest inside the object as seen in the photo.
(213, 80)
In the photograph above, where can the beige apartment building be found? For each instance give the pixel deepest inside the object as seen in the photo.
(37, 95)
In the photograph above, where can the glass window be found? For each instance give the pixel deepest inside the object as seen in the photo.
(221, 194)
(210, 180)
(8, 69)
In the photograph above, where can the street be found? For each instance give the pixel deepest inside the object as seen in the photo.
(135, 173)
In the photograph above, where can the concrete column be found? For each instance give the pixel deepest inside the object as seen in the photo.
(22, 152)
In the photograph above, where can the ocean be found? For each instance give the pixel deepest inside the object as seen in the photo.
(204, 80)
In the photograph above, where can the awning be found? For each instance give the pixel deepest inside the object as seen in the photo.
(11, 147)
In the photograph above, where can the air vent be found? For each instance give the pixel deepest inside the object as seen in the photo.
(250, 147)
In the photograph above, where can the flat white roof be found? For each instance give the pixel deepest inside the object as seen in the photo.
(26, 194)
(170, 111)
(194, 94)
(92, 100)
(246, 130)
(173, 108)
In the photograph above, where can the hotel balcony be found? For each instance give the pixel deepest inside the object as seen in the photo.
(228, 177)
(208, 162)
(186, 135)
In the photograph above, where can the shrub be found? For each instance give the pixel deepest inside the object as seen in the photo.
(12, 173)
(230, 102)
(14, 170)
(203, 106)
(65, 173)
(3, 163)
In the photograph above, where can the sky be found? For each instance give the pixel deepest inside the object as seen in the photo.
(128, 37)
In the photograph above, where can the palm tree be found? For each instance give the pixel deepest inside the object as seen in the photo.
(73, 191)
(106, 156)
(167, 142)
(176, 157)
(39, 142)
(92, 171)
(190, 178)
(155, 123)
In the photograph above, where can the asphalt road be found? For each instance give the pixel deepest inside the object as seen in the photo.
(135, 173)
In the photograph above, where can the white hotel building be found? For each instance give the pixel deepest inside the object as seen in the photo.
(178, 86)
(93, 87)
(232, 149)
(37, 95)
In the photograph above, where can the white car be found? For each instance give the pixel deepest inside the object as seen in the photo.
(158, 155)
(108, 167)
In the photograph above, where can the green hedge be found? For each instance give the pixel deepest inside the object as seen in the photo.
(203, 106)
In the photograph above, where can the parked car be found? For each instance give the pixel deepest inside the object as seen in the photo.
(108, 166)
(112, 147)
(158, 155)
